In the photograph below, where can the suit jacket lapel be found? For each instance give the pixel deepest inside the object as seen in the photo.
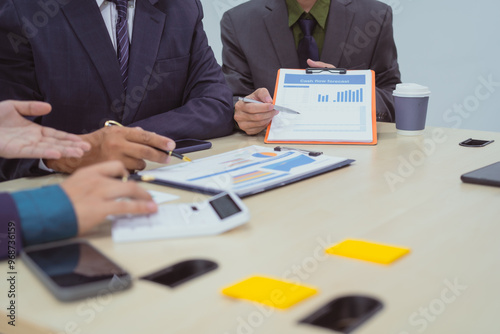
(281, 35)
(92, 33)
(148, 29)
(337, 29)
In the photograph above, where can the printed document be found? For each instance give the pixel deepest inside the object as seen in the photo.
(245, 171)
(334, 108)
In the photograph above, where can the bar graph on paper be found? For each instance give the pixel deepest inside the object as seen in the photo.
(332, 107)
(347, 96)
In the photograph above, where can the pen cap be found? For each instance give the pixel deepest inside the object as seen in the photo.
(411, 90)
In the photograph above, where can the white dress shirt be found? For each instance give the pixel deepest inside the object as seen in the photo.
(110, 16)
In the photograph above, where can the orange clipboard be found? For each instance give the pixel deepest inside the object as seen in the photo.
(373, 119)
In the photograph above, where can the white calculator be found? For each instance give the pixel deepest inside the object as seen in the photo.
(218, 214)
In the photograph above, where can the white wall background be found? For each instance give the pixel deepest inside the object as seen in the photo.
(451, 46)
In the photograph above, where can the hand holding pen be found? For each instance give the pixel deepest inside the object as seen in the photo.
(167, 152)
(131, 146)
(255, 117)
(276, 107)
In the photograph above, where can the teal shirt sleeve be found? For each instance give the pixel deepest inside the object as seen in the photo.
(46, 214)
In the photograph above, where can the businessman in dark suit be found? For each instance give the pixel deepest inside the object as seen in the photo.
(261, 36)
(69, 53)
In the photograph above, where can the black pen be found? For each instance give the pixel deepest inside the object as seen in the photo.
(310, 153)
(172, 153)
(137, 177)
(169, 153)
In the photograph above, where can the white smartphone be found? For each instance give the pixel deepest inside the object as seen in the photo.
(218, 214)
(74, 270)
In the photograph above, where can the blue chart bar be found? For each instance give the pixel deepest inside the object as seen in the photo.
(322, 98)
(345, 96)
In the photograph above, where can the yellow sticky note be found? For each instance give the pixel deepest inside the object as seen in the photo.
(368, 251)
(269, 291)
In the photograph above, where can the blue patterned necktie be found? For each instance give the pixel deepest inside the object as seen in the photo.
(122, 42)
(307, 46)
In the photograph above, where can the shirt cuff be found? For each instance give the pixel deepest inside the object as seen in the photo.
(46, 214)
(44, 167)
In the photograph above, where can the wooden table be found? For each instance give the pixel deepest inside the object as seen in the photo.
(404, 191)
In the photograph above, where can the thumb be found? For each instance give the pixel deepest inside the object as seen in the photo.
(263, 95)
(312, 63)
(32, 108)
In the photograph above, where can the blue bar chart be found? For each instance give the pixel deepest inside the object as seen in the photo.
(323, 98)
(344, 96)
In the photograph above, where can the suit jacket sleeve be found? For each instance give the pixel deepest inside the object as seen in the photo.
(385, 65)
(35, 216)
(46, 214)
(17, 81)
(234, 64)
(206, 111)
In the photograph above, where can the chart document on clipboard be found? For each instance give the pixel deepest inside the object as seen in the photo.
(333, 108)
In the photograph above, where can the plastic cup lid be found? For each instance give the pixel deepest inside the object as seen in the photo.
(411, 90)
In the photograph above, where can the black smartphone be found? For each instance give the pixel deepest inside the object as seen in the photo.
(75, 270)
(181, 272)
(191, 145)
(475, 142)
(344, 314)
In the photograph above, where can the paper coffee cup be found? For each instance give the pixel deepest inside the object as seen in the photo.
(410, 104)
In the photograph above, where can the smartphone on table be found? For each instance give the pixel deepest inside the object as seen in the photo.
(475, 142)
(74, 270)
(191, 145)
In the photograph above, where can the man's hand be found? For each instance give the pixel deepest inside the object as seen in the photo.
(21, 138)
(312, 63)
(93, 191)
(131, 146)
(254, 117)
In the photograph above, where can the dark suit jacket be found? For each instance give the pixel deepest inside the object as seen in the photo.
(257, 42)
(59, 51)
(9, 235)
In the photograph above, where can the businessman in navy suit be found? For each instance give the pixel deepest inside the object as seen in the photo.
(65, 52)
